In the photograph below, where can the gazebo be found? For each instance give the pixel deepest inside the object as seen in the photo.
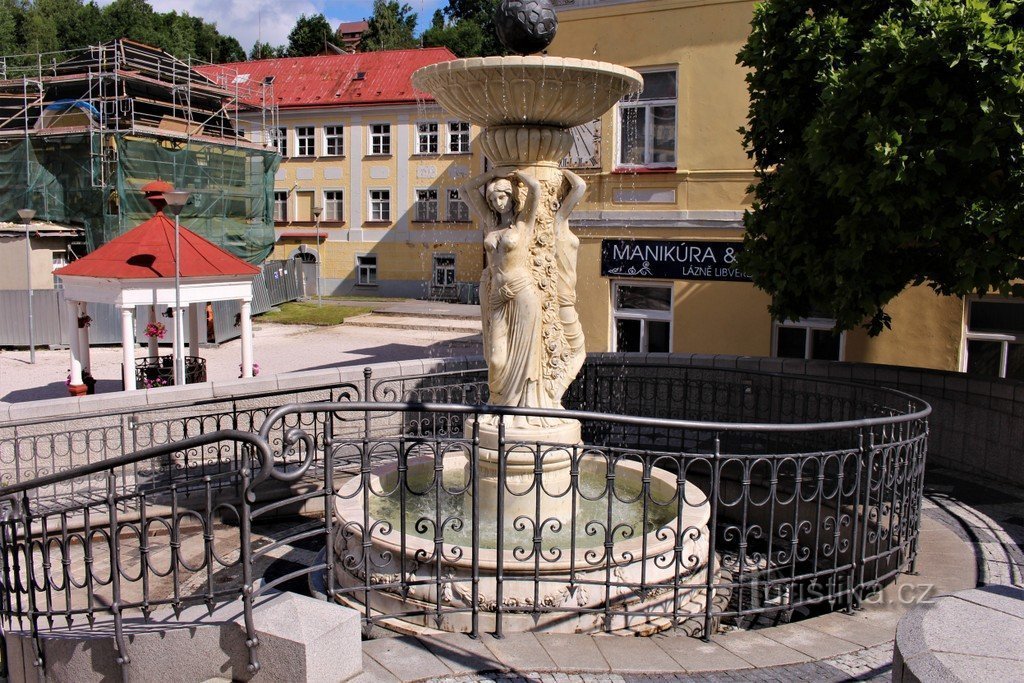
(137, 269)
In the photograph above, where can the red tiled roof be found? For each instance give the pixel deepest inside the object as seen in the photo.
(147, 251)
(330, 80)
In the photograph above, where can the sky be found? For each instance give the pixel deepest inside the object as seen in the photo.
(270, 21)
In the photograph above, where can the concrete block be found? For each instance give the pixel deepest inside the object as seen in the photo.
(462, 654)
(725, 361)
(406, 658)
(694, 655)
(571, 652)
(306, 639)
(182, 394)
(771, 365)
(54, 408)
(308, 378)
(5, 411)
(635, 655)
(520, 652)
(115, 402)
(813, 643)
(759, 650)
(243, 387)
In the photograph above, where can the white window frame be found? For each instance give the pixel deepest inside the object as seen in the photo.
(380, 140)
(452, 200)
(642, 314)
(376, 205)
(366, 273)
(305, 140)
(280, 140)
(1003, 338)
(435, 269)
(647, 105)
(338, 138)
(809, 325)
(428, 141)
(461, 136)
(420, 215)
(334, 209)
(282, 216)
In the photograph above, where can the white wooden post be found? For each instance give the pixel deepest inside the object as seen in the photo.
(193, 330)
(128, 347)
(76, 357)
(154, 343)
(246, 321)
(83, 338)
(179, 347)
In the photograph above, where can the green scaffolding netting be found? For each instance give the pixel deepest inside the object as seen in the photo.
(95, 180)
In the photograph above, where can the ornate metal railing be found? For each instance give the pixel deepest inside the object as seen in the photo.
(734, 518)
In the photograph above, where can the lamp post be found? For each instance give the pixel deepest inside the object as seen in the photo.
(26, 216)
(317, 210)
(176, 202)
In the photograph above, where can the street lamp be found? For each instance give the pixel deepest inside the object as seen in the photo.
(317, 210)
(176, 201)
(26, 216)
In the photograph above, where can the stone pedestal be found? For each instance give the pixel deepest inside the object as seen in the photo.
(537, 468)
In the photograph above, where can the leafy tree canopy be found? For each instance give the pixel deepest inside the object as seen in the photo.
(267, 51)
(888, 139)
(466, 27)
(390, 28)
(310, 36)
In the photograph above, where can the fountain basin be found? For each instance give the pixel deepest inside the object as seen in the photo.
(645, 572)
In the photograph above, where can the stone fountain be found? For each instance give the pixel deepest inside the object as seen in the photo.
(534, 348)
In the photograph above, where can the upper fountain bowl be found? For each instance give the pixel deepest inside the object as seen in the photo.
(539, 91)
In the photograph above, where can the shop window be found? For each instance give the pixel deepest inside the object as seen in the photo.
(380, 205)
(366, 269)
(458, 210)
(305, 141)
(426, 137)
(334, 141)
(647, 124)
(426, 206)
(995, 339)
(458, 137)
(281, 206)
(334, 206)
(380, 138)
(642, 315)
(444, 270)
(808, 338)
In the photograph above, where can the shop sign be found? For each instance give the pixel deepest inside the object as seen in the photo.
(672, 260)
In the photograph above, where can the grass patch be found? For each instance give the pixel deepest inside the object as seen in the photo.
(296, 313)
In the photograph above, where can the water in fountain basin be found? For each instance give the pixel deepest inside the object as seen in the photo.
(426, 503)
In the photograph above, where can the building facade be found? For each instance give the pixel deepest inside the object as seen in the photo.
(382, 163)
(663, 216)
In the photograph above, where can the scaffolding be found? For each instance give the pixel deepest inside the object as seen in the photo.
(82, 131)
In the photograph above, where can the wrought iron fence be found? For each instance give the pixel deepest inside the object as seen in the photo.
(671, 522)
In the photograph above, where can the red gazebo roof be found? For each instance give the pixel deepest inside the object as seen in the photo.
(147, 251)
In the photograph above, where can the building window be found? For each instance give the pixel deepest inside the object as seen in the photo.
(995, 339)
(444, 270)
(647, 125)
(305, 141)
(366, 270)
(279, 140)
(426, 138)
(808, 338)
(334, 141)
(380, 138)
(333, 205)
(458, 210)
(458, 137)
(380, 205)
(281, 206)
(642, 317)
(426, 206)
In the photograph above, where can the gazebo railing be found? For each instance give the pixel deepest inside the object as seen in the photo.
(158, 371)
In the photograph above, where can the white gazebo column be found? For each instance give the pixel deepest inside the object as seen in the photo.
(193, 330)
(179, 346)
(154, 343)
(246, 322)
(77, 386)
(83, 338)
(128, 347)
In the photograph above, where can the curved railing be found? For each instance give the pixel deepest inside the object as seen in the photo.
(809, 493)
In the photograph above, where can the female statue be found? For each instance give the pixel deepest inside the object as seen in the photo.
(510, 300)
(567, 247)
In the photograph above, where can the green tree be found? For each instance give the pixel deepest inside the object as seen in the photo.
(888, 140)
(390, 28)
(265, 51)
(229, 50)
(11, 17)
(39, 31)
(465, 38)
(133, 19)
(472, 28)
(310, 35)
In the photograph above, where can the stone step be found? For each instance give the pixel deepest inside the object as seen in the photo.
(431, 309)
(405, 322)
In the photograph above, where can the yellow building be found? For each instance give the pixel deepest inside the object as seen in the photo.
(383, 163)
(668, 179)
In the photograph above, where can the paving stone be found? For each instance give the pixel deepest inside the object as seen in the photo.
(760, 650)
(694, 655)
(519, 652)
(406, 658)
(855, 628)
(373, 672)
(1005, 599)
(634, 655)
(572, 652)
(814, 644)
(461, 654)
